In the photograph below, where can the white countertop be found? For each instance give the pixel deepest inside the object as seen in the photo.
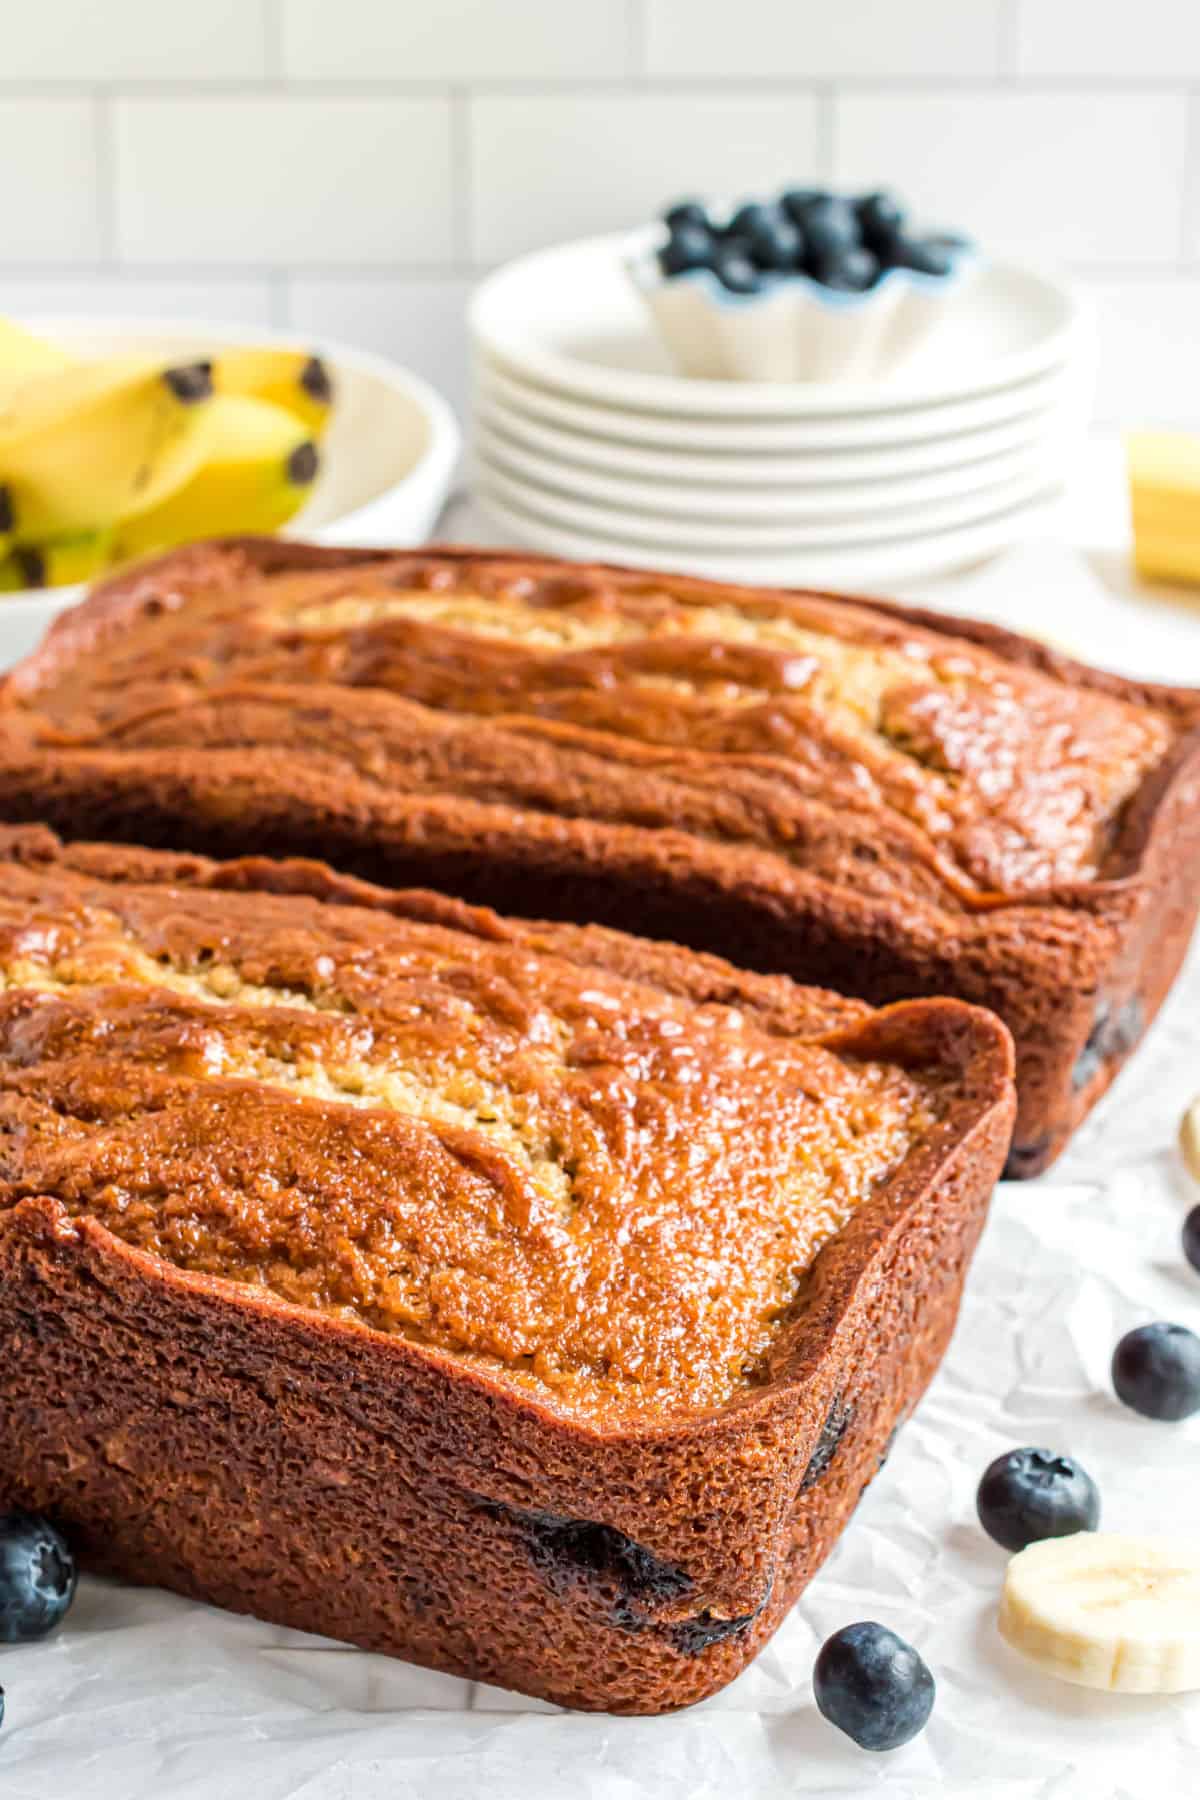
(142, 1695)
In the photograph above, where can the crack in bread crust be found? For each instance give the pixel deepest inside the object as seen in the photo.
(604, 1191)
(996, 778)
(268, 1054)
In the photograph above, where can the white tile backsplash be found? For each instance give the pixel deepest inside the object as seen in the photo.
(809, 39)
(455, 40)
(211, 301)
(547, 167)
(415, 319)
(1054, 175)
(352, 166)
(1191, 226)
(279, 179)
(49, 155)
(1127, 39)
(1149, 359)
(132, 40)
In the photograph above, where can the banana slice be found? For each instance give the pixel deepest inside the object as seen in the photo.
(1189, 1138)
(1105, 1611)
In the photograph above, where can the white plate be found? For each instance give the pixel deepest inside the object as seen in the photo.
(571, 318)
(791, 436)
(1046, 460)
(723, 469)
(906, 559)
(654, 530)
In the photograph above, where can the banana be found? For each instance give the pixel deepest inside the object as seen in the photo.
(1189, 1138)
(255, 468)
(23, 357)
(80, 446)
(56, 562)
(1106, 1611)
(297, 380)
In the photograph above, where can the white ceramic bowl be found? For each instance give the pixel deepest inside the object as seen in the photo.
(388, 453)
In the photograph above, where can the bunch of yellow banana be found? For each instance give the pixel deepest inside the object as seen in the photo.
(110, 458)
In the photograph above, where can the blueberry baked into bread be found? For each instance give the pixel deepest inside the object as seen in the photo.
(527, 1300)
(868, 797)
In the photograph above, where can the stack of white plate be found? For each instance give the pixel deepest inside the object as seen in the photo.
(587, 444)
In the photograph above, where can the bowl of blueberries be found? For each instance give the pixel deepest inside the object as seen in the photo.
(810, 286)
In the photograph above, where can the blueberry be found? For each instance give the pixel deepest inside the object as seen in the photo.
(1027, 1495)
(776, 244)
(1191, 1238)
(37, 1577)
(830, 228)
(748, 219)
(873, 1686)
(688, 247)
(686, 212)
(766, 235)
(926, 257)
(851, 271)
(735, 270)
(1156, 1371)
(797, 201)
(881, 218)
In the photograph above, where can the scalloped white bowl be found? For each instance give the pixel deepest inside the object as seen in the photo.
(793, 328)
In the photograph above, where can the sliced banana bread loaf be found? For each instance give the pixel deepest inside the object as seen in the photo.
(524, 1299)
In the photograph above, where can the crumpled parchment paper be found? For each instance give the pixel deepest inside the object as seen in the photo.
(142, 1696)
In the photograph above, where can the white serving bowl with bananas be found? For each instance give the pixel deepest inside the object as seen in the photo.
(319, 441)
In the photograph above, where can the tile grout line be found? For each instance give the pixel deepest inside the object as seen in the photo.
(466, 268)
(461, 189)
(549, 87)
(105, 153)
(272, 28)
(1189, 240)
(826, 131)
(637, 32)
(279, 298)
(229, 272)
(1008, 41)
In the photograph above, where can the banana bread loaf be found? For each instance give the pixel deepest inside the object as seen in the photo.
(867, 797)
(524, 1299)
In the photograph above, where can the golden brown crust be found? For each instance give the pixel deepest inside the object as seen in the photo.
(472, 1134)
(846, 800)
(288, 1459)
(610, 695)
